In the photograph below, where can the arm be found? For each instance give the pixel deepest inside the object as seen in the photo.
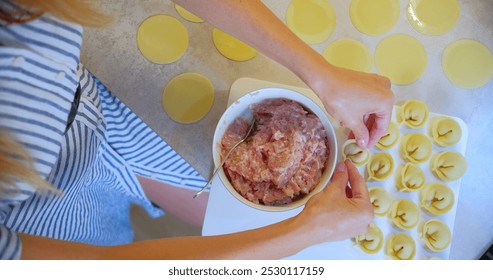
(319, 222)
(349, 96)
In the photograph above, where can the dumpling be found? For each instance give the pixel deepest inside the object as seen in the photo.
(448, 166)
(372, 241)
(416, 148)
(410, 178)
(436, 235)
(404, 214)
(381, 200)
(380, 166)
(390, 138)
(446, 131)
(355, 154)
(436, 198)
(414, 113)
(400, 247)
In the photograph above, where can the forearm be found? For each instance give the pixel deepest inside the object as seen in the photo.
(272, 242)
(253, 23)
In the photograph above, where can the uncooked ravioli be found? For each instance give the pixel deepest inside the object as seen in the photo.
(467, 63)
(446, 131)
(374, 17)
(404, 214)
(433, 17)
(436, 235)
(401, 58)
(187, 15)
(400, 246)
(354, 153)
(162, 39)
(188, 97)
(381, 200)
(350, 54)
(312, 20)
(390, 138)
(372, 241)
(232, 48)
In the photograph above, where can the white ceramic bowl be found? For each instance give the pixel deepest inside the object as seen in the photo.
(241, 108)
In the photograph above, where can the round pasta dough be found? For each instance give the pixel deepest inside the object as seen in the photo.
(390, 138)
(404, 214)
(436, 198)
(374, 17)
(433, 17)
(467, 63)
(312, 20)
(401, 58)
(446, 131)
(410, 178)
(400, 246)
(414, 113)
(448, 166)
(187, 15)
(232, 48)
(349, 54)
(380, 166)
(162, 39)
(436, 235)
(416, 148)
(354, 153)
(188, 97)
(381, 200)
(372, 241)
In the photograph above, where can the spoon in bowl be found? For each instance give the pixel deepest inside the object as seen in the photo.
(250, 130)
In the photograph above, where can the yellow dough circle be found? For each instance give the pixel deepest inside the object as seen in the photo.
(381, 200)
(446, 131)
(436, 235)
(232, 48)
(162, 39)
(312, 20)
(401, 58)
(433, 17)
(188, 97)
(400, 246)
(372, 241)
(354, 153)
(390, 138)
(374, 17)
(187, 15)
(350, 54)
(467, 63)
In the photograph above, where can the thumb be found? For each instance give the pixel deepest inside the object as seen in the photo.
(340, 177)
(361, 134)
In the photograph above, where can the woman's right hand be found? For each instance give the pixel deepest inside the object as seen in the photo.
(338, 213)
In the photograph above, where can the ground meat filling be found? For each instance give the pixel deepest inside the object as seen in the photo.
(283, 159)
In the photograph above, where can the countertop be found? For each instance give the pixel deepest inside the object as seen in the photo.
(111, 54)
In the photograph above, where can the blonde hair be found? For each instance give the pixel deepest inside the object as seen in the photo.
(15, 163)
(83, 12)
(17, 166)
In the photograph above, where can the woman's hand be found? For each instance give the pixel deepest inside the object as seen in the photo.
(360, 101)
(338, 213)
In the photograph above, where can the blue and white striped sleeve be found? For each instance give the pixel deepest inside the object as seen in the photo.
(10, 244)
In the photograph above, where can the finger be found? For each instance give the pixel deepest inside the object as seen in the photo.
(357, 182)
(340, 177)
(361, 134)
(379, 127)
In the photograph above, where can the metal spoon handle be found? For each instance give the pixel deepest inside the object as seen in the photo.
(217, 169)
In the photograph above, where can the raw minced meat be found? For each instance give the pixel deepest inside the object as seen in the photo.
(283, 159)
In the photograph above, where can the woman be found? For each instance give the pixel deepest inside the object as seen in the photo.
(60, 125)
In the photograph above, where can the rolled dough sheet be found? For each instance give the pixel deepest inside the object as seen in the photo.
(188, 97)
(401, 58)
(232, 48)
(350, 54)
(187, 15)
(433, 17)
(467, 63)
(374, 17)
(162, 39)
(312, 20)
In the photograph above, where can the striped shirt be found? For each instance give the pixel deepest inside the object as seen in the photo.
(94, 163)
